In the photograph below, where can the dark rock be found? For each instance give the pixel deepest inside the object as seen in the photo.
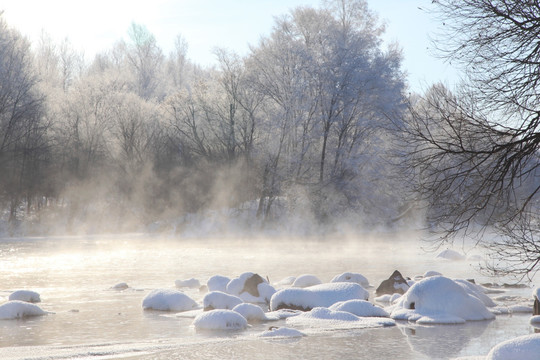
(283, 306)
(396, 283)
(536, 306)
(251, 285)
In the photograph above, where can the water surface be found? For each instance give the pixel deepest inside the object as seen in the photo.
(74, 276)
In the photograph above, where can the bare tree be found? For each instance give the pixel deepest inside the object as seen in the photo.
(476, 150)
(23, 141)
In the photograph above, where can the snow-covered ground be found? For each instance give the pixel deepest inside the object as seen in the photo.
(86, 315)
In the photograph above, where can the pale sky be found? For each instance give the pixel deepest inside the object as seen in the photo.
(94, 26)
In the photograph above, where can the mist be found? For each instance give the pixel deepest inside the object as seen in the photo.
(136, 140)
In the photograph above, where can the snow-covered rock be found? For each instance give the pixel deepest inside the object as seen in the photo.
(523, 348)
(220, 300)
(449, 254)
(282, 332)
(286, 281)
(120, 286)
(306, 280)
(218, 283)
(431, 273)
(168, 300)
(321, 317)
(352, 277)
(251, 312)
(251, 288)
(189, 283)
(25, 295)
(387, 298)
(396, 283)
(439, 300)
(16, 309)
(476, 291)
(323, 295)
(220, 320)
(361, 308)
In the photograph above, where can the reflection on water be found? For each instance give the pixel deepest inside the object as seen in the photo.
(74, 277)
(440, 342)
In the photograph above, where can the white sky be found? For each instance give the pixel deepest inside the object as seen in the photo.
(94, 26)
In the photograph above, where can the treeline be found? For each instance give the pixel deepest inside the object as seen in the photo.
(306, 119)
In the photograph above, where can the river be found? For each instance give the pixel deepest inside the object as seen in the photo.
(89, 320)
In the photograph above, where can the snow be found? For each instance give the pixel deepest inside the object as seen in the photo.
(523, 348)
(286, 281)
(251, 312)
(16, 309)
(236, 287)
(25, 295)
(439, 300)
(282, 332)
(431, 273)
(449, 254)
(306, 280)
(220, 300)
(536, 293)
(168, 300)
(321, 317)
(476, 291)
(535, 319)
(218, 283)
(220, 320)
(352, 277)
(323, 295)
(360, 308)
(189, 283)
(387, 298)
(120, 286)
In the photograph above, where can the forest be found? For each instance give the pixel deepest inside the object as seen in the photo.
(314, 130)
(302, 126)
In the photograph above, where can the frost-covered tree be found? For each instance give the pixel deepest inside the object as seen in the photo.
(332, 87)
(23, 130)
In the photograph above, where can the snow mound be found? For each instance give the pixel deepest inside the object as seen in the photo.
(168, 300)
(439, 300)
(286, 281)
(321, 317)
(251, 288)
(218, 283)
(387, 298)
(16, 309)
(450, 255)
(323, 295)
(536, 293)
(120, 286)
(220, 300)
(523, 348)
(306, 280)
(251, 312)
(535, 320)
(189, 283)
(477, 291)
(352, 277)
(25, 295)
(282, 332)
(220, 320)
(431, 273)
(360, 308)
